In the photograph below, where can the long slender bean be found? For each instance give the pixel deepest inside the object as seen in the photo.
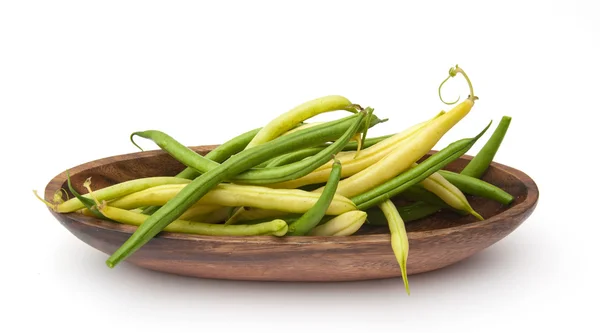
(231, 195)
(276, 227)
(477, 187)
(286, 121)
(312, 217)
(449, 193)
(398, 236)
(480, 163)
(415, 175)
(177, 150)
(230, 168)
(222, 152)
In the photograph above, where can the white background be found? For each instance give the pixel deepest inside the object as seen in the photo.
(76, 78)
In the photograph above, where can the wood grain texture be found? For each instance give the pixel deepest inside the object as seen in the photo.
(435, 242)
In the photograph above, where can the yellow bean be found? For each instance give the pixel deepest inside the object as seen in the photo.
(352, 164)
(342, 225)
(197, 211)
(230, 195)
(451, 195)
(403, 157)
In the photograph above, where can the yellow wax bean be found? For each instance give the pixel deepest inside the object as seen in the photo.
(230, 195)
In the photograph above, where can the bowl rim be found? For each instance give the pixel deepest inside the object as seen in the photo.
(528, 204)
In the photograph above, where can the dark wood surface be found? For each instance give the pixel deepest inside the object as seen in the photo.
(435, 242)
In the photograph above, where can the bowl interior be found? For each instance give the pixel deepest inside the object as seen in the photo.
(121, 168)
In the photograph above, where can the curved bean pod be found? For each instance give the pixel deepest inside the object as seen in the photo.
(276, 227)
(231, 195)
(449, 193)
(222, 152)
(399, 237)
(293, 117)
(477, 187)
(311, 218)
(479, 164)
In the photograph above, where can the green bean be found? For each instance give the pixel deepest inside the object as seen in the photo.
(177, 150)
(480, 163)
(222, 152)
(398, 236)
(233, 166)
(311, 218)
(406, 179)
(275, 227)
(477, 187)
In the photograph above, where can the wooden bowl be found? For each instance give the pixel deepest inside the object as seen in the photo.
(437, 241)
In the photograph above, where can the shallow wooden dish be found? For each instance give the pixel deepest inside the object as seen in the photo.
(435, 242)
